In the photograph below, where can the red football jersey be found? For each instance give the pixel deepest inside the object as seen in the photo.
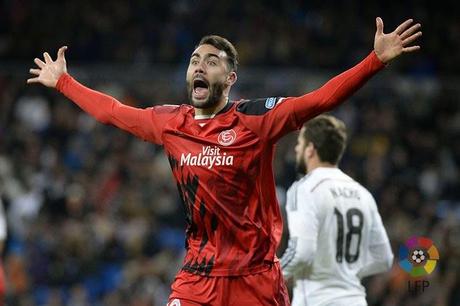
(224, 174)
(223, 168)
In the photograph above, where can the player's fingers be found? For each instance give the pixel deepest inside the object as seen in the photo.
(410, 39)
(61, 52)
(379, 25)
(35, 71)
(410, 31)
(32, 80)
(403, 26)
(39, 62)
(47, 57)
(410, 49)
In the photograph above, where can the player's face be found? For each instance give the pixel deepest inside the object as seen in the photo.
(301, 165)
(207, 74)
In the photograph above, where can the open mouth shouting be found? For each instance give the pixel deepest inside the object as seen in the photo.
(200, 88)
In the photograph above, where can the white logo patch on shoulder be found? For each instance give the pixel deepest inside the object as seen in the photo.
(270, 103)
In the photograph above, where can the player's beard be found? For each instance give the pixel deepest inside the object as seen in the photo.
(301, 167)
(215, 94)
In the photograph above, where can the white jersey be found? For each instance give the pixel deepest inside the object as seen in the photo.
(336, 238)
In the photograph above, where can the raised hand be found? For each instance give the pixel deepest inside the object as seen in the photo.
(49, 71)
(391, 45)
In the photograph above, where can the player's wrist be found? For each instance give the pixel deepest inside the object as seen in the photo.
(379, 59)
(61, 81)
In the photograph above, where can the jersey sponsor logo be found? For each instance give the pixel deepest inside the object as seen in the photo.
(175, 302)
(227, 137)
(209, 157)
(270, 103)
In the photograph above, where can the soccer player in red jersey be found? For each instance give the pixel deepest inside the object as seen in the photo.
(221, 152)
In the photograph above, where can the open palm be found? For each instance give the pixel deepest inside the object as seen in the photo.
(391, 45)
(49, 71)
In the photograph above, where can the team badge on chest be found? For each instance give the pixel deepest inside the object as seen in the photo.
(227, 137)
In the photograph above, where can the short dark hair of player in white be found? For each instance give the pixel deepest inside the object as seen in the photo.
(336, 233)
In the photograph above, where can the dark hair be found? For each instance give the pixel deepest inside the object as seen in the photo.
(329, 136)
(224, 45)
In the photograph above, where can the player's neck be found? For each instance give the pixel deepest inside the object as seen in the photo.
(318, 164)
(210, 112)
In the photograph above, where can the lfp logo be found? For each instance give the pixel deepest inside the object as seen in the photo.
(418, 256)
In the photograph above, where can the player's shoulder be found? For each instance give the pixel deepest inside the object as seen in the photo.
(291, 197)
(341, 177)
(302, 187)
(320, 181)
(257, 107)
(363, 192)
(306, 181)
(318, 178)
(293, 188)
(169, 108)
(300, 196)
(170, 111)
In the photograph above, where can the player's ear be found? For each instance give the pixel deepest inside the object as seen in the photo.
(231, 78)
(309, 150)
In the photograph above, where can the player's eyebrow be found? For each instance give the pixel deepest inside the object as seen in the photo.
(207, 55)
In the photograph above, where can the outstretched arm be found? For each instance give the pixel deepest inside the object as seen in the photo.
(290, 113)
(386, 48)
(143, 123)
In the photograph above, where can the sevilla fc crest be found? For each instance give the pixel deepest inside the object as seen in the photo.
(227, 137)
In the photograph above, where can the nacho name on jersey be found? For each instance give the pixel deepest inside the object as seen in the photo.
(345, 192)
(209, 157)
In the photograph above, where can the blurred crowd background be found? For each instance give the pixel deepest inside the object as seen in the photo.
(93, 214)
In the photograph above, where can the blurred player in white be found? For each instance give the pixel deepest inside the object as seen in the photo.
(336, 233)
